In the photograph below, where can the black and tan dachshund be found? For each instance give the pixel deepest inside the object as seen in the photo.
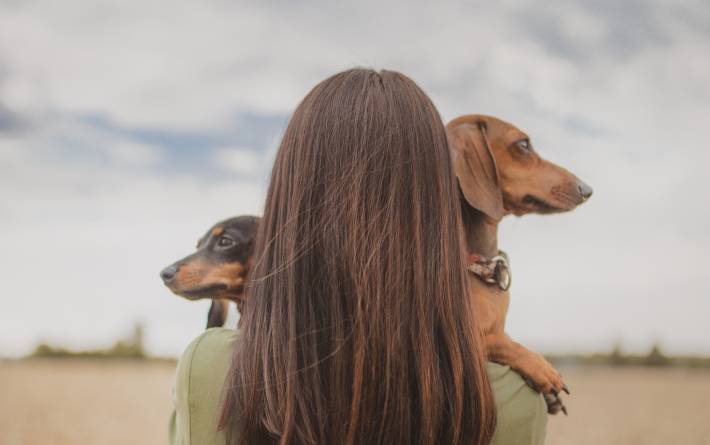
(219, 268)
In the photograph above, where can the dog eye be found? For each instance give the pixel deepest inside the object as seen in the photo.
(524, 145)
(225, 242)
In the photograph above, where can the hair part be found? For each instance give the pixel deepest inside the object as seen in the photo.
(358, 328)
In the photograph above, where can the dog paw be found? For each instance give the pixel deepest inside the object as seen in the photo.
(552, 399)
(544, 378)
(554, 403)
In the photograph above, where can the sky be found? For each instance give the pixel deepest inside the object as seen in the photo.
(128, 128)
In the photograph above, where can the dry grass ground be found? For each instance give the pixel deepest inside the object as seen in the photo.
(77, 402)
(93, 402)
(638, 406)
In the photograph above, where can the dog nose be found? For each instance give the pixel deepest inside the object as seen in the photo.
(585, 191)
(168, 273)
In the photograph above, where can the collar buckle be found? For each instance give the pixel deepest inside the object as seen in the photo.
(495, 270)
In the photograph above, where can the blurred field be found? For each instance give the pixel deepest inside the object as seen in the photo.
(109, 402)
(634, 406)
(62, 402)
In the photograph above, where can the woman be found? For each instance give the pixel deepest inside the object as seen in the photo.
(357, 329)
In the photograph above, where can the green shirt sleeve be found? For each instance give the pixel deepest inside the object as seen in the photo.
(197, 394)
(203, 367)
(522, 412)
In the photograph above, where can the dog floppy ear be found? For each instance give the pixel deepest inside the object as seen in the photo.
(476, 168)
(218, 313)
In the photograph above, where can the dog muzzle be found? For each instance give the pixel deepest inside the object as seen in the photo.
(495, 270)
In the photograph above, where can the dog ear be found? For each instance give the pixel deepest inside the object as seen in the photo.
(476, 168)
(218, 313)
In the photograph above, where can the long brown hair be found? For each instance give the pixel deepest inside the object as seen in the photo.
(358, 328)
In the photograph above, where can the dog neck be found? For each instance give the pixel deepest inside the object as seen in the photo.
(481, 232)
(485, 260)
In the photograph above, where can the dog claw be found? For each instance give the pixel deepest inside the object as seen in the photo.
(565, 389)
(554, 403)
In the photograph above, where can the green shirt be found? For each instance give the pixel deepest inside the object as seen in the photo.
(201, 371)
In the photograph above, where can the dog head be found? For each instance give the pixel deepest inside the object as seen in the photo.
(220, 266)
(500, 172)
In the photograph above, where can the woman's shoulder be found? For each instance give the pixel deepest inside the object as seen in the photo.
(201, 372)
(205, 363)
(203, 367)
(209, 350)
(521, 411)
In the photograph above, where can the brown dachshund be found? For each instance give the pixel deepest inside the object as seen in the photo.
(499, 174)
(219, 268)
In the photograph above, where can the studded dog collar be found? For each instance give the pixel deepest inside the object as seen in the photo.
(495, 270)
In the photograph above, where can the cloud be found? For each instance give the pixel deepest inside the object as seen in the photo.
(127, 129)
(135, 154)
(238, 160)
(9, 121)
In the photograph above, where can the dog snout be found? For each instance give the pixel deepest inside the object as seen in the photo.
(585, 191)
(169, 273)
